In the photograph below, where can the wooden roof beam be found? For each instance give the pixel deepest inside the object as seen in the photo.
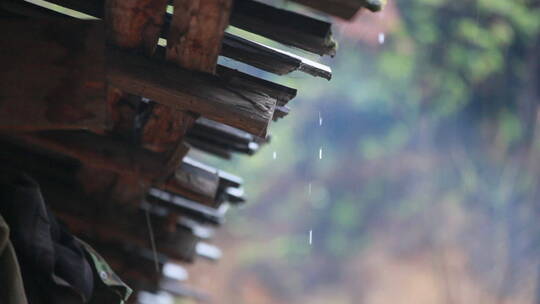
(198, 92)
(287, 27)
(283, 26)
(256, 54)
(270, 59)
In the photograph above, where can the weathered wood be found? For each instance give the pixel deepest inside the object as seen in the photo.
(165, 128)
(194, 183)
(53, 75)
(270, 59)
(220, 139)
(97, 151)
(211, 148)
(196, 32)
(177, 203)
(284, 26)
(220, 148)
(345, 9)
(282, 93)
(134, 24)
(225, 179)
(195, 35)
(256, 54)
(204, 125)
(202, 93)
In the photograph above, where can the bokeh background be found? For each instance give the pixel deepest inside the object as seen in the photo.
(427, 190)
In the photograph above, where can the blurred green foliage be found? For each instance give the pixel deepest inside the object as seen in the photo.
(445, 111)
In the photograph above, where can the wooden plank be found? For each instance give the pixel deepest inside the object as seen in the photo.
(256, 54)
(165, 128)
(53, 75)
(209, 147)
(270, 59)
(202, 93)
(225, 178)
(284, 26)
(345, 9)
(197, 184)
(218, 146)
(134, 24)
(200, 213)
(282, 93)
(204, 125)
(196, 30)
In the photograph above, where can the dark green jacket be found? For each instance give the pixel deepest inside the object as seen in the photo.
(40, 261)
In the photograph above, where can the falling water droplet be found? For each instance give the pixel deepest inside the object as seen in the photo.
(274, 155)
(381, 38)
(320, 119)
(320, 153)
(310, 237)
(309, 189)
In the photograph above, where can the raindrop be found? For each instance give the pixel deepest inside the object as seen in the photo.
(310, 237)
(320, 153)
(274, 155)
(381, 38)
(320, 119)
(309, 189)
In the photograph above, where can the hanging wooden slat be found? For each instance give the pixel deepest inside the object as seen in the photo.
(284, 26)
(201, 93)
(270, 59)
(53, 75)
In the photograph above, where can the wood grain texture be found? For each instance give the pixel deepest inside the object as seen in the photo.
(185, 90)
(96, 151)
(165, 128)
(196, 31)
(134, 24)
(194, 41)
(284, 26)
(53, 75)
(270, 59)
